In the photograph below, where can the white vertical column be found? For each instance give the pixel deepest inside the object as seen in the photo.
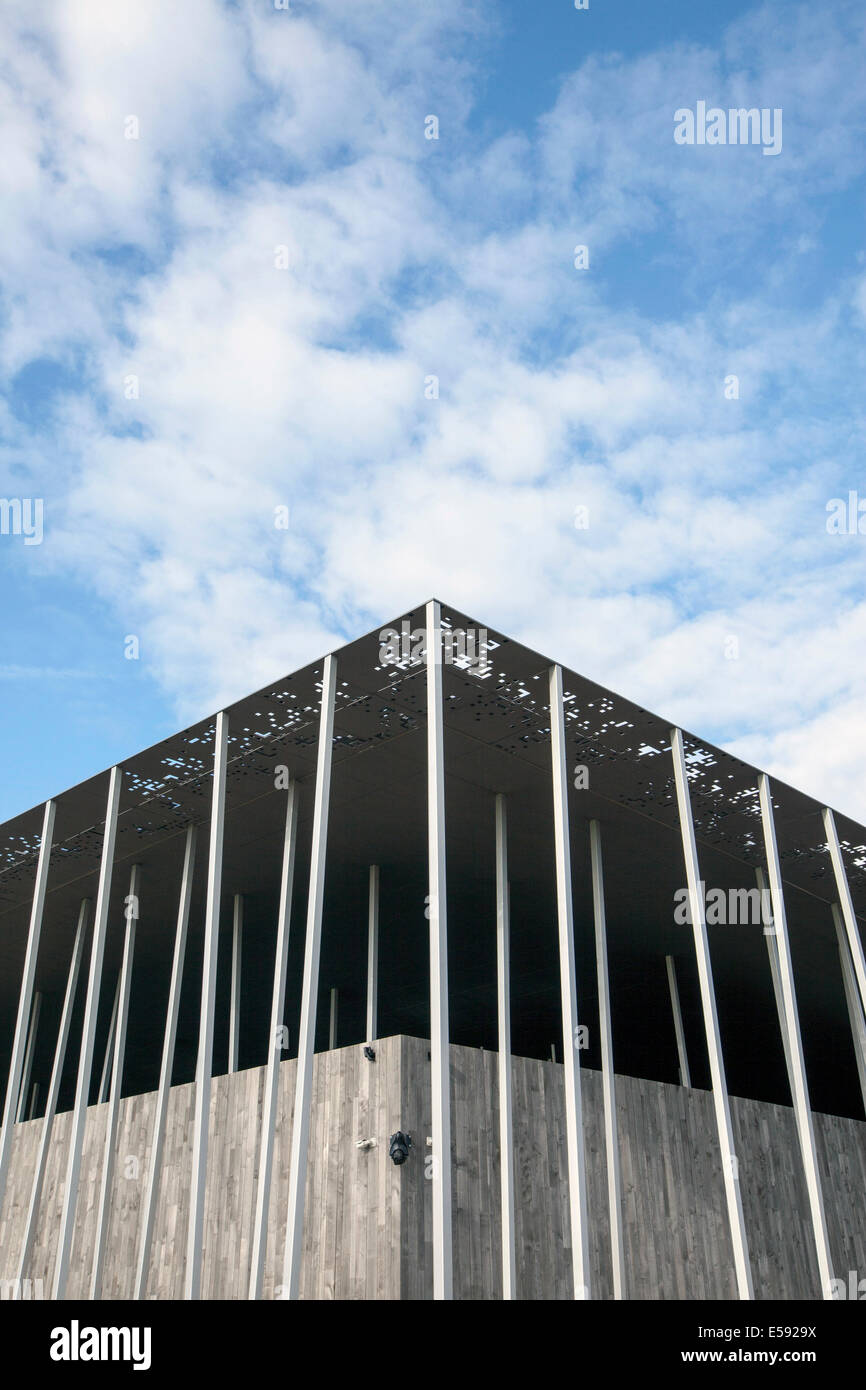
(503, 1001)
(679, 1031)
(28, 1056)
(440, 1073)
(204, 1061)
(53, 1093)
(852, 999)
(108, 1157)
(608, 1076)
(294, 1248)
(795, 1043)
(25, 995)
(721, 1105)
(775, 974)
(105, 1079)
(373, 954)
(34, 1100)
(276, 1045)
(855, 945)
(237, 952)
(166, 1067)
(88, 1035)
(332, 1019)
(568, 990)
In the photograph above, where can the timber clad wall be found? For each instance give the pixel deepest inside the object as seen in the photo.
(368, 1229)
(677, 1243)
(352, 1212)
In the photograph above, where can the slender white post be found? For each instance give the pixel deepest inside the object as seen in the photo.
(25, 995)
(108, 1158)
(676, 1010)
(34, 1100)
(294, 1249)
(795, 1043)
(105, 1079)
(440, 1075)
(237, 951)
(503, 1001)
(775, 974)
(855, 945)
(852, 999)
(166, 1068)
(721, 1105)
(277, 1043)
(53, 1093)
(373, 955)
(88, 1035)
(28, 1056)
(568, 990)
(204, 1061)
(332, 1019)
(608, 1076)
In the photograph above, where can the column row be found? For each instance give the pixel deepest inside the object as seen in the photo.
(779, 954)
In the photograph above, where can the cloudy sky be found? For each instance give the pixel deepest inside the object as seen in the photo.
(233, 261)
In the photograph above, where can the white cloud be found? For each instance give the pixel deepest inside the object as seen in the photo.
(305, 386)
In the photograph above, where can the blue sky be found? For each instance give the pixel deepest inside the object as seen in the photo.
(237, 310)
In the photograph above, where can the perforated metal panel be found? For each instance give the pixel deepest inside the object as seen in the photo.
(496, 695)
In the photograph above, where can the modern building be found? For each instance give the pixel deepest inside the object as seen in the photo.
(429, 978)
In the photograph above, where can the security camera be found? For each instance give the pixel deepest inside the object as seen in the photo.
(370, 1053)
(400, 1145)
